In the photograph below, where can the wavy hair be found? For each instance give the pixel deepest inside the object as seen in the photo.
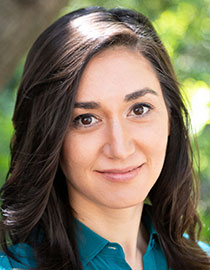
(35, 204)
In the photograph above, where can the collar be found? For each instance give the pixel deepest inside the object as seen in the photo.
(90, 243)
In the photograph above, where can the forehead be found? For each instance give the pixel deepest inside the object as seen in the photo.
(115, 72)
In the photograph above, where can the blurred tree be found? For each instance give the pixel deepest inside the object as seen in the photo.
(20, 23)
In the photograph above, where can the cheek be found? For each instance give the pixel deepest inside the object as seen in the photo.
(79, 150)
(158, 138)
(154, 136)
(153, 144)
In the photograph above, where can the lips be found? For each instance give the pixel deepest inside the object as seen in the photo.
(119, 171)
(120, 175)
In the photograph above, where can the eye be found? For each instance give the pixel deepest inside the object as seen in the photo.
(85, 120)
(140, 109)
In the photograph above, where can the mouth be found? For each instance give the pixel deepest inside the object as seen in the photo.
(121, 175)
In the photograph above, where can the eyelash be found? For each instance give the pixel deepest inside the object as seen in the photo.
(78, 124)
(145, 105)
(77, 121)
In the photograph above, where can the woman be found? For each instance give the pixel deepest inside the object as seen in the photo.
(100, 127)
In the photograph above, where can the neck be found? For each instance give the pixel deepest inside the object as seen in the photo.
(116, 225)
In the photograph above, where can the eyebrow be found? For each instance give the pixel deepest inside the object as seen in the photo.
(87, 105)
(132, 96)
(140, 93)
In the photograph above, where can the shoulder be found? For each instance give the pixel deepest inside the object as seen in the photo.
(205, 247)
(4, 262)
(23, 252)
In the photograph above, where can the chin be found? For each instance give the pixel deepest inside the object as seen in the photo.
(122, 203)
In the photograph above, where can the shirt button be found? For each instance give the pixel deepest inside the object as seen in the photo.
(110, 247)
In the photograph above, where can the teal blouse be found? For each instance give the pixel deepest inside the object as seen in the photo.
(98, 253)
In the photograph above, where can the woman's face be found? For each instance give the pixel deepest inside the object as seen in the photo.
(115, 148)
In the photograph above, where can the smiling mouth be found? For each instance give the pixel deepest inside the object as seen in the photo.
(121, 175)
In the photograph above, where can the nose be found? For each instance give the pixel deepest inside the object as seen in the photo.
(119, 141)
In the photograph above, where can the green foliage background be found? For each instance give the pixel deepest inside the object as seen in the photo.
(184, 28)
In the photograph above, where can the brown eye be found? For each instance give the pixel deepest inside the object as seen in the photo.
(138, 109)
(86, 120)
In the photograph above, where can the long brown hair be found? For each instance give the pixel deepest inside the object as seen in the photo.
(35, 208)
